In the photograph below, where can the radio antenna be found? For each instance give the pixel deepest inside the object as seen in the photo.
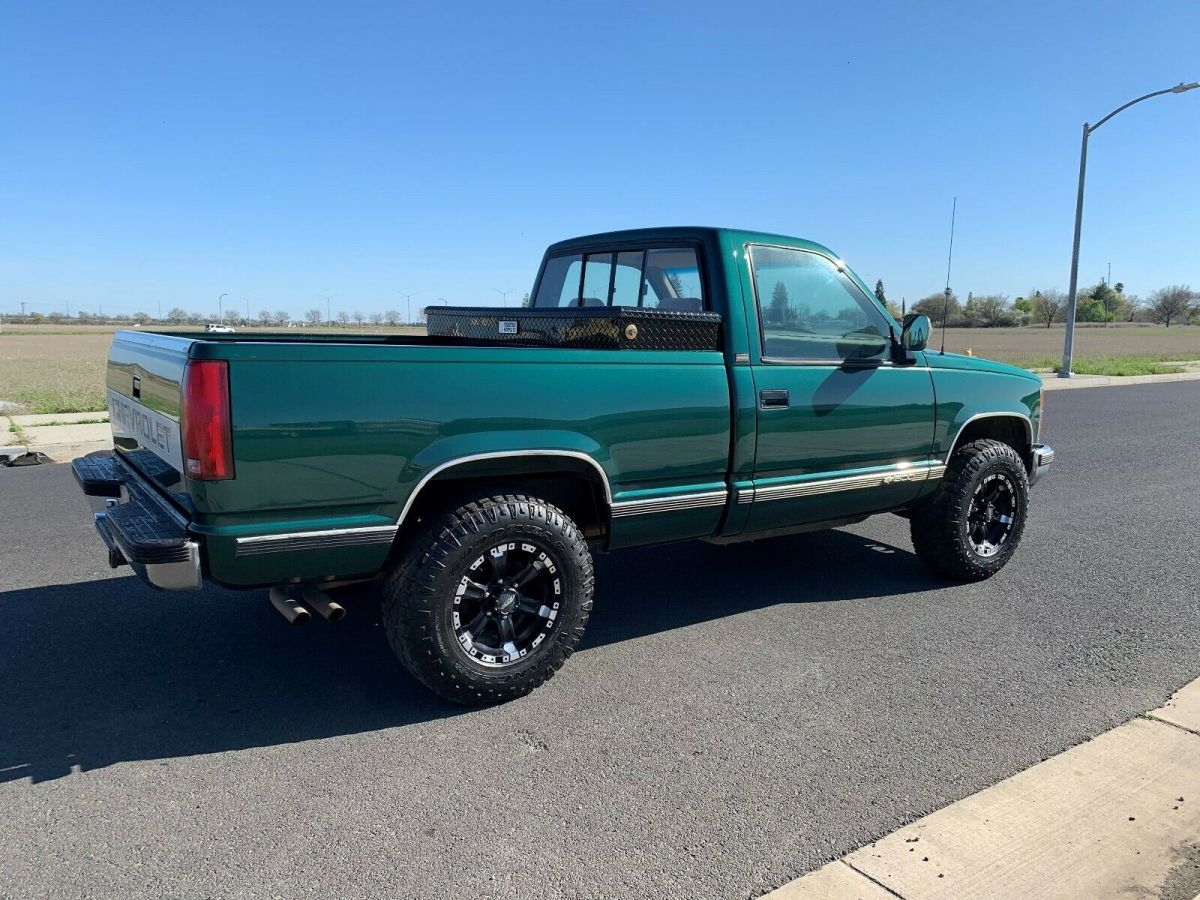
(949, 260)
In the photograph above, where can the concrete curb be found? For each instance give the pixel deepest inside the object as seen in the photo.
(1116, 816)
(1054, 383)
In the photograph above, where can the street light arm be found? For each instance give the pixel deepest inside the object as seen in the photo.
(1178, 89)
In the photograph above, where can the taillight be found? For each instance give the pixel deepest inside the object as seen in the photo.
(204, 418)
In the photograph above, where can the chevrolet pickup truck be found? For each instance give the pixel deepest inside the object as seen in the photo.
(666, 384)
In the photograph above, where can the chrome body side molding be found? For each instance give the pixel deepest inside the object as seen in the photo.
(258, 545)
(624, 508)
(917, 472)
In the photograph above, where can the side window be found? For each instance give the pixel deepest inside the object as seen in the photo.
(811, 310)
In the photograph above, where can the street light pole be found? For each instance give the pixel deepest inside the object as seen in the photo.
(1069, 339)
(221, 308)
(503, 295)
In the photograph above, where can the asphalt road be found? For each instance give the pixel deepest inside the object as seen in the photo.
(737, 715)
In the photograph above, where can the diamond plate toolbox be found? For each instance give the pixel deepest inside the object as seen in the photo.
(603, 328)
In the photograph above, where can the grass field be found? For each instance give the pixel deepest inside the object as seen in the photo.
(55, 369)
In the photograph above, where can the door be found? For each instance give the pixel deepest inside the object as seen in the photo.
(842, 430)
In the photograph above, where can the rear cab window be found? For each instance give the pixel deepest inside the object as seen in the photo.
(665, 278)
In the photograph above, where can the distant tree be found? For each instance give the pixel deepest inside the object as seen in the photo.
(343, 317)
(1133, 306)
(938, 310)
(376, 318)
(677, 285)
(1047, 306)
(879, 293)
(194, 318)
(282, 318)
(525, 300)
(233, 317)
(175, 315)
(1105, 299)
(140, 317)
(1023, 305)
(989, 311)
(780, 313)
(358, 318)
(312, 316)
(264, 317)
(1177, 301)
(392, 316)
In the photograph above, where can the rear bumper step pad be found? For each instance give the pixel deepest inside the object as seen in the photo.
(143, 530)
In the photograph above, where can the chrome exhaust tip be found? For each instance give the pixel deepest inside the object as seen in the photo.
(288, 607)
(330, 609)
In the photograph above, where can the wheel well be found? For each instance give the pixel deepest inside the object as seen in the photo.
(572, 485)
(1011, 430)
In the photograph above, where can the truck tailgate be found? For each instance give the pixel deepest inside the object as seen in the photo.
(144, 383)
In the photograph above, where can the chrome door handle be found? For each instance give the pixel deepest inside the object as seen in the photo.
(773, 399)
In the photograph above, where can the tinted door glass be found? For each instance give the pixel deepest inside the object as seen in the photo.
(811, 310)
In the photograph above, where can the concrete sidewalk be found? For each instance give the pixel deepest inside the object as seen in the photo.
(61, 436)
(1118, 816)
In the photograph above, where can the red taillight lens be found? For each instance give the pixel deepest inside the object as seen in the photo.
(207, 435)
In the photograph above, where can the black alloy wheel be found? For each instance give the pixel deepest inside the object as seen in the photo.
(507, 603)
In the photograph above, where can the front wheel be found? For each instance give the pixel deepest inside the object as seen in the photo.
(491, 600)
(971, 527)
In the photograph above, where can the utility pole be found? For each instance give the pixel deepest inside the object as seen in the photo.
(328, 306)
(408, 298)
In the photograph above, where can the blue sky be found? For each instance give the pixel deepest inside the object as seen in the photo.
(172, 152)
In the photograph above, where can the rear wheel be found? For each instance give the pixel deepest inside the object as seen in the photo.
(971, 527)
(491, 600)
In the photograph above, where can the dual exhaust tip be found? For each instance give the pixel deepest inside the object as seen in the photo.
(296, 612)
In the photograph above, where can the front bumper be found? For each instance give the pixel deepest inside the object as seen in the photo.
(1043, 456)
(138, 526)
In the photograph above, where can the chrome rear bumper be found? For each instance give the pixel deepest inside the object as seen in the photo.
(1043, 456)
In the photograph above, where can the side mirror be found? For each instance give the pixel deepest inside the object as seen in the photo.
(915, 335)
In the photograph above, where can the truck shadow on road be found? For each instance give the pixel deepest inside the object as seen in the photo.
(109, 671)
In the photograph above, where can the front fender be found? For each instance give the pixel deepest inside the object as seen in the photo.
(964, 396)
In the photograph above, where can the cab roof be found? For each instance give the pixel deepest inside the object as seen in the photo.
(704, 233)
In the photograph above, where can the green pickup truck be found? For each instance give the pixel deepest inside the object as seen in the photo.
(665, 384)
